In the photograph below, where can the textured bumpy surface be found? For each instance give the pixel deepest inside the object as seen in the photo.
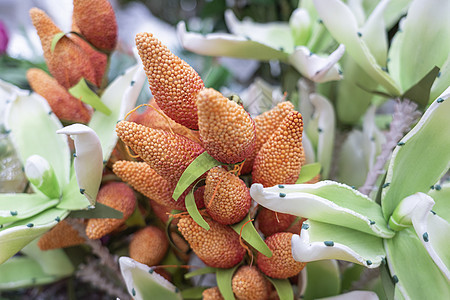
(168, 154)
(97, 22)
(265, 125)
(249, 284)
(149, 245)
(68, 63)
(173, 82)
(212, 294)
(280, 159)
(281, 264)
(61, 236)
(270, 222)
(227, 198)
(65, 106)
(146, 181)
(226, 129)
(119, 196)
(217, 247)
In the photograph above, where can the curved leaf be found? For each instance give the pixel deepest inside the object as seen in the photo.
(342, 25)
(88, 162)
(283, 287)
(319, 241)
(15, 207)
(82, 92)
(120, 97)
(55, 40)
(33, 131)
(17, 235)
(251, 236)
(201, 271)
(72, 199)
(192, 209)
(325, 201)
(143, 283)
(323, 279)
(219, 44)
(224, 277)
(407, 258)
(308, 172)
(198, 166)
(441, 194)
(414, 153)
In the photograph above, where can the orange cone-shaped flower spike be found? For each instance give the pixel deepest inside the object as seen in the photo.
(97, 23)
(217, 247)
(280, 159)
(226, 129)
(212, 294)
(168, 154)
(248, 283)
(149, 245)
(61, 236)
(68, 63)
(119, 196)
(66, 107)
(173, 83)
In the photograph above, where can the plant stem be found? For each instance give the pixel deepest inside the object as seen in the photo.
(405, 114)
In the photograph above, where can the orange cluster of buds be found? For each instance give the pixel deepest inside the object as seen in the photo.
(72, 58)
(166, 142)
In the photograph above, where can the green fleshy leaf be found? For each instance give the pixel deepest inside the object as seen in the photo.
(406, 258)
(72, 198)
(15, 207)
(251, 236)
(53, 262)
(100, 211)
(224, 277)
(420, 92)
(442, 80)
(33, 131)
(419, 49)
(283, 287)
(143, 282)
(82, 91)
(192, 209)
(415, 153)
(441, 194)
(388, 284)
(193, 293)
(325, 201)
(201, 271)
(55, 40)
(308, 172)
(204, 162)
(323, 279)
(17, 235)
(351, 274)
(120, 97)
(319, 241)
(22, 272)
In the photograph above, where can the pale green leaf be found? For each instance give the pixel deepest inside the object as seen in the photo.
(15, 207)
(407, 258)
(33, 131)
(251, 236)
(360, 295)
(441, 196)
(308, 172)
(53, 262)
(219, 44)
(319, 241)
(21, 272)
(415, 153)
(342, 25)
(442, 80)
(55, 40)
(82, 92)
(144, 283)
(120, 97)
(323, 279)
(72, 198)
(325, 201)
(224, 277)
(192, 209)
(283, 288)
(17, 235)
(201, 271)
(421, 47)
(204, 162)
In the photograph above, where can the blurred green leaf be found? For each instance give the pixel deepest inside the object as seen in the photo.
(101, 211)
(192, 209)
(55, 40)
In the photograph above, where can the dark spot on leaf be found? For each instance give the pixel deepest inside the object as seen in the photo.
(368, 262)
(82, 191)
(132, 82)
(425, 237)
(29, 225)
(282, 195)
(281, 186)
(395, 279)
(385, 185)
(13, 213)
(372, 222)
(400, 144)
(437, 187)
(329, 243)
(305, 226)
(433, 212)
(440, 100)
(359, 34)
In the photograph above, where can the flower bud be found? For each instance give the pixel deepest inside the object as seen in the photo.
(41, 174)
